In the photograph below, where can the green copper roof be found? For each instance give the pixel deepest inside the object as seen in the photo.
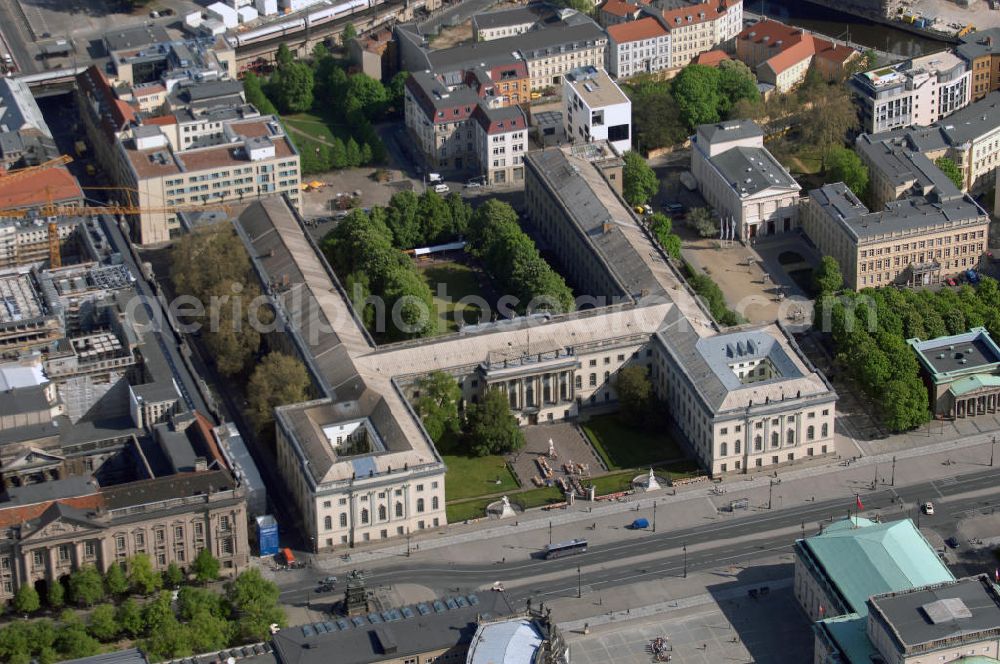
(862, 558)
(850, 633)
(972, 383)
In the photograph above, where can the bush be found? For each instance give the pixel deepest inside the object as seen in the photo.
(710, 292)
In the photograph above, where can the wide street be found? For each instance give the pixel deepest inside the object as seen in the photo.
(646, 556)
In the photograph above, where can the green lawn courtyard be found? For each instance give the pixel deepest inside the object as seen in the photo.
(623, 447)
(469, 477)
(454, 280)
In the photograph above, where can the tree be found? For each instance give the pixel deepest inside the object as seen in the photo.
(26, 599)
(72, 640)
(293, 87)
(437, 405)
(129, 618)
(662, 227)
(284, 58)
(56, 596)
(490, 426)
(747, 109)
(254, 93)
(255, 606)
(411, 303)
(169, 641)
(366, 97)
(635, 393)
(844, 165)
(205, 566)
(192, 602)
(141, 575)
(736, 83)
(827, 276)
(639, 182)
(338, 153)
(697, 93)
(278, 380)
(701, 220)
(352, 153)
(233, 340)
(583, 6)
(157, 612)
(348, 33)
(951, 169)
(103, 624)
(173, 576)
(656, 120)
(434, 215)
(115, 581)
(396, 91)
(320, 51)
(832, 116)
(86, 587)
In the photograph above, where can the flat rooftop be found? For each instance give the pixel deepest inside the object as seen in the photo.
(940, 616)
(969, 350)
(19, 300)
(595, 87)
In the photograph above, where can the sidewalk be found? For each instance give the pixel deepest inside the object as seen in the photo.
(699, 505)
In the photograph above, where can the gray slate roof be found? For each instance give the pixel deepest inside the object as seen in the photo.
(135, 37)
(752, 170)
(344, 641)
(979, 43)
(530, 45)
(128, 656)
(729, 130)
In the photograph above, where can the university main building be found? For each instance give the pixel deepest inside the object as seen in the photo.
(357, 460)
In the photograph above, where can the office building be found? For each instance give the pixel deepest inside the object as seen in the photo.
(962, 373)
(701, 27)
(596, 109)
(782, 54)
(487, 26)
(637, 47)
(919, 91)
(753, 194)
(917, 241)
(25, 138)
(501, 143)
(981, 51)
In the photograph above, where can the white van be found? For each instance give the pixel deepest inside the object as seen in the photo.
(441, 189)
(434, 177)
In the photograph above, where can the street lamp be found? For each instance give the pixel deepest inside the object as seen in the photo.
(579, 583)
(654, 515)
(407, 541)
(685, 549)
(770, 492)
(993, 447)
(892, 480)
(550, 532)
(875, 479)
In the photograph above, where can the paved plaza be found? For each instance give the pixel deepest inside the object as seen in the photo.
(570, 445)
(774, 629)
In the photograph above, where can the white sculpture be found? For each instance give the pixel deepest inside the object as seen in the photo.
(651, 483)
(552, 449)
(505, 508)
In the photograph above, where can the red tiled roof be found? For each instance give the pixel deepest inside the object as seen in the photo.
(835, 52)
(15, 515)
(205, 430)
(644, 28)
(619, 7)
(794, 54)
(770, 32)
(114, 113)
(162, 120)
(54, 185)
(711, 58)
(690, 15)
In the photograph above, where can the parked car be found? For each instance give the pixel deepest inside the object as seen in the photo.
(434, 177)
(673, 208)
(639, 524)
(951, 282)
(972, 276)
(952, 542)
(928, 508)
(441, 189)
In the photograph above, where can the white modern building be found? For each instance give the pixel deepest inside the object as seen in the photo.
(745, 184)
(596, 109)
(915, 92)
(637, 47)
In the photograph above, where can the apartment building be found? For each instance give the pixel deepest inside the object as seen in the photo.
(637, 47)
(439, 109)
(254, 159)
(919, 91)
(501, 143)
(981, 52)
(509, 22)
(615, 12)
(917, 241)
(782, 54)
(753, 194)
(563, 42)
(969, 137)
(702, 27)
(596, 109)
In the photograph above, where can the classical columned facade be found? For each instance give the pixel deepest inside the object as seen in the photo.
(539, 390)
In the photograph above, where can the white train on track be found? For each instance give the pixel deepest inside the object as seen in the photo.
(316, 17)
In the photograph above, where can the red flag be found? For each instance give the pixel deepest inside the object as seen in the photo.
(821, 611)
(996, 574)
(858, 500)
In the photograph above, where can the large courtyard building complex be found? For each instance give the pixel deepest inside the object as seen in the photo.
(753, 194)
(919, 91)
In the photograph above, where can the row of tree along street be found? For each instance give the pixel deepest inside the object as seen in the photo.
(202, 619)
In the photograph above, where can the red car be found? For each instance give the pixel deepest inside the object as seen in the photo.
(951, 282)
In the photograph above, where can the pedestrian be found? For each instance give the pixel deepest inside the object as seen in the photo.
(503, 560)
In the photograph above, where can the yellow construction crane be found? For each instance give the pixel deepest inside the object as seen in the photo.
(18, 173)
